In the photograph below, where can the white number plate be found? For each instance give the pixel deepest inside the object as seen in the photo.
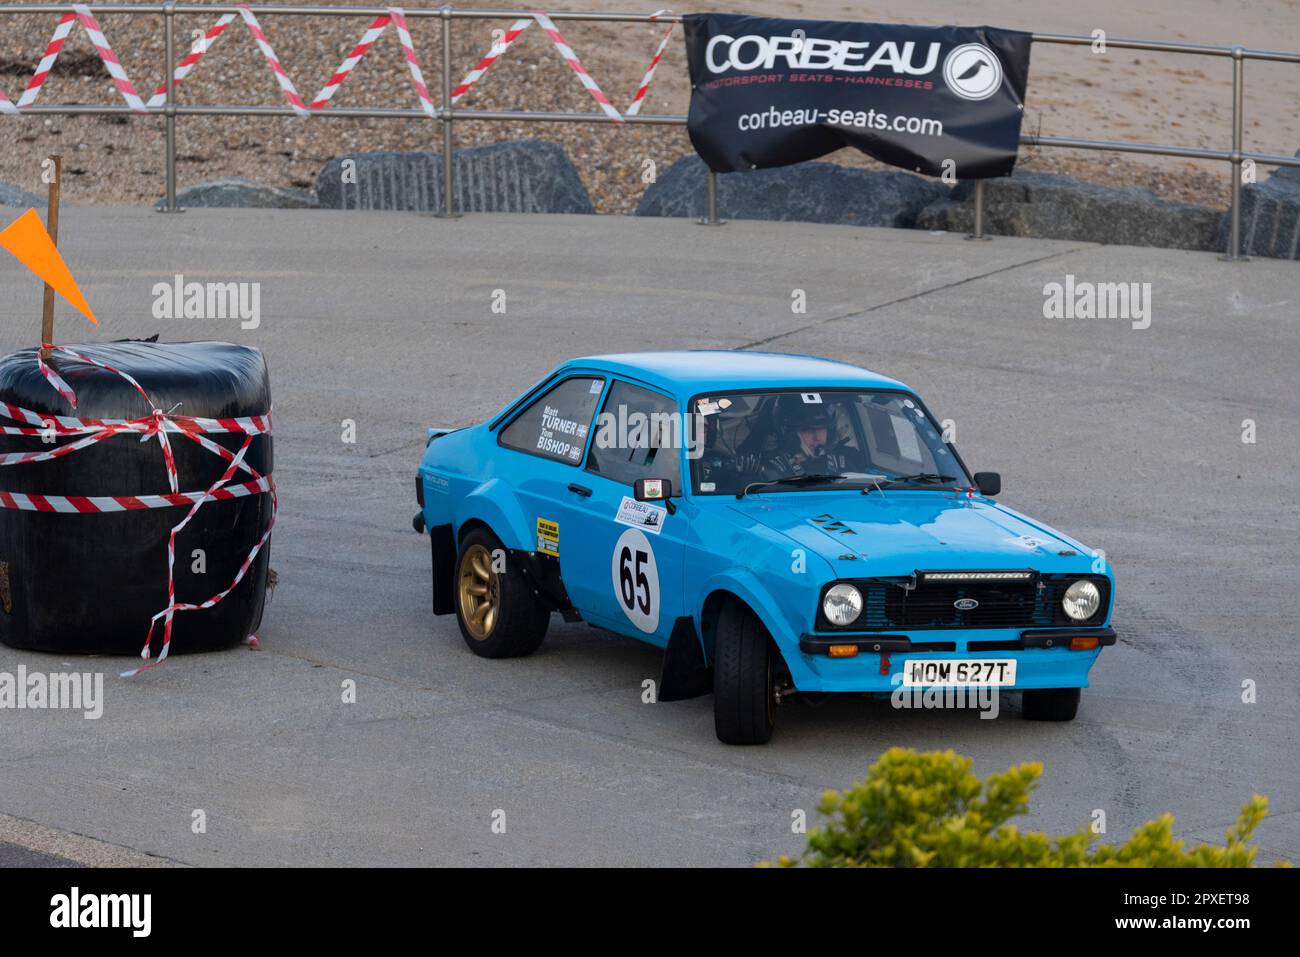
(958, 672)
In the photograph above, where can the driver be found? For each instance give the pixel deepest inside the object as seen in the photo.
(809, 445)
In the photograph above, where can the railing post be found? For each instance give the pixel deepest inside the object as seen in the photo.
(448, 155)
(977, 231)
(169, 108)
(711, 211)
(1233, 253)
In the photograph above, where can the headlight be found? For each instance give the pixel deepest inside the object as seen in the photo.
(1081, 600)
(842, 605)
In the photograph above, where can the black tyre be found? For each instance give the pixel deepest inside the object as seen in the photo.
(744, 683)
(1051, 704)
(498, 613)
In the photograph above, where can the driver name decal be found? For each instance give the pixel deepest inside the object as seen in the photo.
(555, 429)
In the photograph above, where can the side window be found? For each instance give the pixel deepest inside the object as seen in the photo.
(555, 426)
(638, 435)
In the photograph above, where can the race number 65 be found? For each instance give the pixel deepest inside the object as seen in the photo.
(636, 579)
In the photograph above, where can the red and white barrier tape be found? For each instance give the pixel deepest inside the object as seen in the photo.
(111, 63)
(66, 425)
(157, 423)
(408, 49)
(168, 613)
(398, 17)
(102, 47)
(47, 60)
(498, 47)
(395, 14)
(635, 107)
(571, 58)
(268, 53)
(349, 63)
(286, 85)
(183, 68)
(97, 504)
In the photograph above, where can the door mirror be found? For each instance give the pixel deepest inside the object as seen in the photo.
(989, 483)
(652, 490)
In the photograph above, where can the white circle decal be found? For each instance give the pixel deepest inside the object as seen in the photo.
(973, 71)
(636, 580)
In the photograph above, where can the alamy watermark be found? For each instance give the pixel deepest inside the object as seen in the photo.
(133, 912)
(984, 699)
(621, 429)
(179, 299)
(56, 691)
(1081, 299)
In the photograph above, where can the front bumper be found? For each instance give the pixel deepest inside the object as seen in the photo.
(1043, 656)
(1029, 638)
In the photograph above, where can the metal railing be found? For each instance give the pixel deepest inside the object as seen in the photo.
(447, 114)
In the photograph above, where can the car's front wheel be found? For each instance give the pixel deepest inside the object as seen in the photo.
(744, 678)
(498, 613)
(1051, 704)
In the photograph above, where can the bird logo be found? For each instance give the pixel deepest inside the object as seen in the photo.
(972, 71)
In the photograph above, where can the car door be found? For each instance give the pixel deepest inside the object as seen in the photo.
(543, 447)
(632, 560)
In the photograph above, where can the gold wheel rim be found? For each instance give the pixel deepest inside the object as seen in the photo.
(479, 591)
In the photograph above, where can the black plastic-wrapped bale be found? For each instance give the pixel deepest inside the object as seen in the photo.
(91, 582)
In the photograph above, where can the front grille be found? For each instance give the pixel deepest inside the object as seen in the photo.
(915, 604)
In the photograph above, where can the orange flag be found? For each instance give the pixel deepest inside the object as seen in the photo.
(30, 244)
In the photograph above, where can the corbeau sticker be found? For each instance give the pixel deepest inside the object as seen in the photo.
(548, 537)
(636, 580)
(641, 515)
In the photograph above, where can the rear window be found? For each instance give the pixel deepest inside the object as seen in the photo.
(555, 426)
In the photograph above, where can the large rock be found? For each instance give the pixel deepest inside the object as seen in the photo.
(13, 196)
(805, 192)
(1049, 206)
(518, 176)
(1270, 216)
(240, 192)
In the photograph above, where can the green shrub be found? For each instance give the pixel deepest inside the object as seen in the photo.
(929, 810)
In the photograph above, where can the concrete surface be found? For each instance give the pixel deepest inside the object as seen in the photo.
(1129, 439)
(28, 844)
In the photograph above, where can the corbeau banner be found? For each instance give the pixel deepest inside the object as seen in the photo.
(770, 92)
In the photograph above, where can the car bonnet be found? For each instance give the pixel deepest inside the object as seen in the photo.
(901, 531)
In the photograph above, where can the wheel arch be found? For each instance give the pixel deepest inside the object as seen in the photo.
(493, 505)
(468, 526)
(726, 589)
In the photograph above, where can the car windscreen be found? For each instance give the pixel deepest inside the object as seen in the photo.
(768, 436)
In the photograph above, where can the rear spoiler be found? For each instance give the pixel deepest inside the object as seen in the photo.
(431, 434)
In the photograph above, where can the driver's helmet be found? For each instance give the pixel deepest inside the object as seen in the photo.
(795, 415)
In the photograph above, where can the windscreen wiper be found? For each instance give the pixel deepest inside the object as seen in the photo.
(919, 478)
(810, 479)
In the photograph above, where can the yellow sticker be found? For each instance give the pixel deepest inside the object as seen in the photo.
(548, 537)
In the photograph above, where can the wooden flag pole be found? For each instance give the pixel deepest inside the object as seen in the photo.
(52, 227)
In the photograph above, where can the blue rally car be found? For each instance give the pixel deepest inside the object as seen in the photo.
(777, 524)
